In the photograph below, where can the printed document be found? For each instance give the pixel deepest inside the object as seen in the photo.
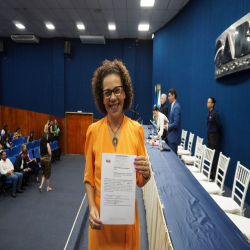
(118, 189)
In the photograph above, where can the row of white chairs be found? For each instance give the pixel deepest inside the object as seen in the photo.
(200, 166)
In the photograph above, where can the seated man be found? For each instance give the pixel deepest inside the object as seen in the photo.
(6, 168)
(17, 134)
(21, 166)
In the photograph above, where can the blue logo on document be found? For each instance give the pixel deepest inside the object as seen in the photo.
(108, 161)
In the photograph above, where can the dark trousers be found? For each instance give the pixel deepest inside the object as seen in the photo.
(173, 146)
(212, 143)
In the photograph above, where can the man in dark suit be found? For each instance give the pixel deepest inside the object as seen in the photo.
(164, 110)
(21, 166)
(174, 125)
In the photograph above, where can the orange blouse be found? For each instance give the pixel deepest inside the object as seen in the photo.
(98, 141)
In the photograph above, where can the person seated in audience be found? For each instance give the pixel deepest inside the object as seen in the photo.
(7, 142)
(6, 168)
(7, 133)
(31, 163)
(30, 137)
(46, 129)
(21, 166)
(1, 147)
(4, 129)
(17, 134)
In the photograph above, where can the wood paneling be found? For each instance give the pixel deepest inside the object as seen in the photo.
(28, 120)
(77, 126)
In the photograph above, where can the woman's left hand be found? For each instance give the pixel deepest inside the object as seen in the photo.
(142, 166)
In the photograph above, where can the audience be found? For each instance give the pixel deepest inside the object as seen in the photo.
(32, 163)
(6, 168)
(30, 137)
(7, 142)
(17, 134)
(1, 147)
(21, 166)
(4, 129)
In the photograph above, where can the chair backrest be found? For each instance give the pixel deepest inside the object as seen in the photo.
(11, 135)
(55, 144)
(183, 138)
(240, 186)
(31, 154)
(2, 137)
(12, 159)
(19, 147)
(198, 156)
(35, 143)
(36, 152)
(7, 152)
(14, 151)
(198, 141)
(207, 161)
(25, 138)
(29, 145)
(190, 142)
(221, 171)
(17, 141)
(51, 146)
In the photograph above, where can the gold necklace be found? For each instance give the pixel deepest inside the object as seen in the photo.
(115, 139)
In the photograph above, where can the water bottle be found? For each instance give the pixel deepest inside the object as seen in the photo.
(141, 122)
(160, 143)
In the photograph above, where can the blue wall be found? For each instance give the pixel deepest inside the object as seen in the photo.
(183, 53)
(38, 77)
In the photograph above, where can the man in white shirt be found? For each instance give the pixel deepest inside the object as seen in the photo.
(6, 168)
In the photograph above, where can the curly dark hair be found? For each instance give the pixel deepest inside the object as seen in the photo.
(108, 68)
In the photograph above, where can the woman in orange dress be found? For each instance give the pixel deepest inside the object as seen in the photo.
(116, 133)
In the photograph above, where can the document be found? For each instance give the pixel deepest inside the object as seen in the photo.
(118, 189)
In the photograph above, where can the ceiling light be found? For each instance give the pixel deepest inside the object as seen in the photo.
(147, 3)
(143, 27)
(20, 26)
(153, 36)
(50, 26)
(80, 26)
(112, 27)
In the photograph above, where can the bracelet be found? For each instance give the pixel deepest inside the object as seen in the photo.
(146, 180)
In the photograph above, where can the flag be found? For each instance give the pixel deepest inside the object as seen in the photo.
(159, 97)
(155, 96)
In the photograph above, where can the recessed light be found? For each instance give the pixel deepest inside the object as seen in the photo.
(50, 26)
(153, 36)
(112, 27)
(147, 3)
(80, 26)
(20, 26)
(143, 27)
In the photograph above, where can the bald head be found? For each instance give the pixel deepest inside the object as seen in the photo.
(163, 98)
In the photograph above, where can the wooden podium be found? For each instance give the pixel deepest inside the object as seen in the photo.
(134, 113)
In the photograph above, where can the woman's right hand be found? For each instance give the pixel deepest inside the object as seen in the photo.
(94, 219)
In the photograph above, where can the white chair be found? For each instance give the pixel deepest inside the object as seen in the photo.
(241, 222)
(216, 187)
(187, 151)
(183, 139)
(206, 166)
(241, 182)
(196, 167)
(188, 159)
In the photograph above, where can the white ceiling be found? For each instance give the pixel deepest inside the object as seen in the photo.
(94, 14)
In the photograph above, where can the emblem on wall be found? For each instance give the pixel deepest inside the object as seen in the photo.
(232, 49)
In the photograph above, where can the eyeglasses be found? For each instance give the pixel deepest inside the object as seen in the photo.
(108, 92)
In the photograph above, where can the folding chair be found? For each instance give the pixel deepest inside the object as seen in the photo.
(216, 187)
(36, 144)
(240, 186)
(206, 167)
(188, 151)
(189, 160)
(25, 139)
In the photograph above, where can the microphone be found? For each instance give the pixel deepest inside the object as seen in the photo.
(136, 106)
(139, 119)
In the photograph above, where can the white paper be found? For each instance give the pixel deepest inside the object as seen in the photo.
(118, 189)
